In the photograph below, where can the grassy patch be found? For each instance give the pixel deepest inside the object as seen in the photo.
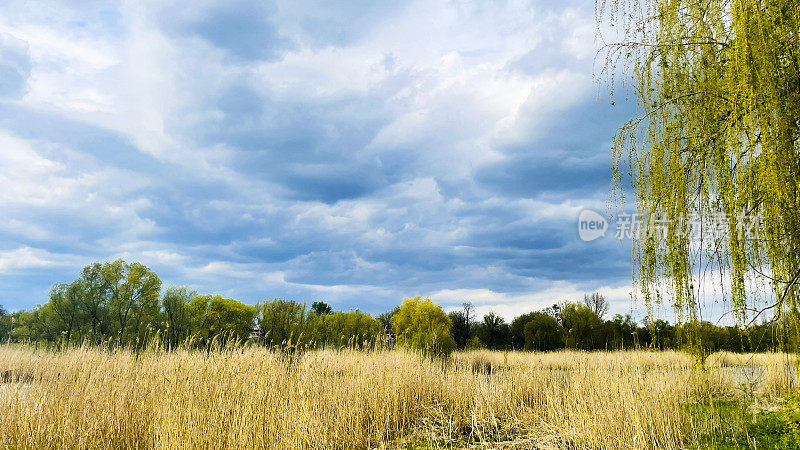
(738, 427)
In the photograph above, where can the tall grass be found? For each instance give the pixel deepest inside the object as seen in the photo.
(251, 397)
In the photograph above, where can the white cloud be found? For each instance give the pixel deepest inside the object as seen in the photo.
(75, 187)
(433, 89)
(510, 305)
(65, 67)
(580, 33)
(31, 258)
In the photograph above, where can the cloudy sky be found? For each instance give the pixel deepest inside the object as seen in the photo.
(352, 152)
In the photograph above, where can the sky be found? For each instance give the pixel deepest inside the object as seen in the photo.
(351, 152)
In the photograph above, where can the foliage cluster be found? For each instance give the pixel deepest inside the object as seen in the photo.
(718, 137)
(573, 325)
(121, 304)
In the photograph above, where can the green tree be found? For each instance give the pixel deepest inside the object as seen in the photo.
(321, 308)
(221, 318)
(494, 332)
(284, 322)
(542, 332)
(518, 329)
(41, 323)
(386, 320)
(230, 318)
(134, 295)
(474, 343)
(460, 329)
(94, 301)
(719, 139)
(353, 329)
(621, 332)
(663, 334)
(581, 326)
(65, 306)
(5, 324)
(423, 326)
(178, 324)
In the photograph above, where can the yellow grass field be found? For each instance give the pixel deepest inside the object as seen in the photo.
(251, 397)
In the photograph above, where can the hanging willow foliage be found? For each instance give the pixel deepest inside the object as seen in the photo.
(718, 83)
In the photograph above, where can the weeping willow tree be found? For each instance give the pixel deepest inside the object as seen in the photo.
(718, 87)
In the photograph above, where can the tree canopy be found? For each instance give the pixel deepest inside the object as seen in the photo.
(423, 326)
(84, 311)
(718, 83)
(221, 318)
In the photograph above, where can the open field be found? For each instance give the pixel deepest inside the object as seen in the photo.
(254, 398)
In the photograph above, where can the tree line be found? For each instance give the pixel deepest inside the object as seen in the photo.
(581, 325)
(120, 303)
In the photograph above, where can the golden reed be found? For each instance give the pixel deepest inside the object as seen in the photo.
(252, 397)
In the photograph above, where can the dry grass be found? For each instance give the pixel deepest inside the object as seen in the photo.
(254, 398)
(770, 374)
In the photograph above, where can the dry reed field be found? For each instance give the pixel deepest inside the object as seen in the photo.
(251, 397)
